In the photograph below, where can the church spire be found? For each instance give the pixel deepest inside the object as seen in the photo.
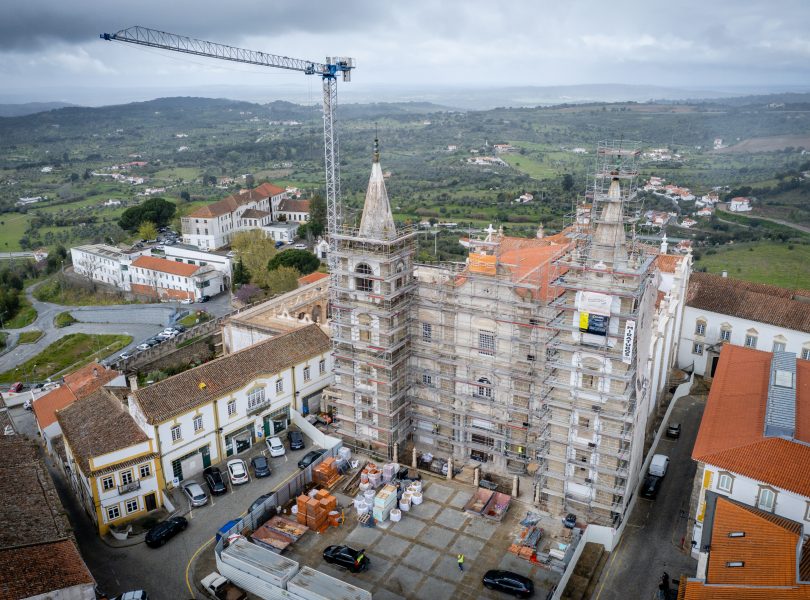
(377, 221)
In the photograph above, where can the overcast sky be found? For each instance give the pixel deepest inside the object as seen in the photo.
(50, 49)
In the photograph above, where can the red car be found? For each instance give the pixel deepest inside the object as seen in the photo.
(16, 387)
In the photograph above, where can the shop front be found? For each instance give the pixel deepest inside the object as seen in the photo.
(238, 441)
(276, 422)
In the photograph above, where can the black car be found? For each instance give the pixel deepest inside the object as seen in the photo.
(164, 531)
(650, 486)
(674, 431)
(296, 439)
(261, 467)
(309, 458)
(215, 481)
(509, 583)
(178, 327)
(348, 558)
(205, 298)
(259, 501)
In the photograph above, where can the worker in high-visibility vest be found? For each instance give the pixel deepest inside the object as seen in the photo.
(460, 562)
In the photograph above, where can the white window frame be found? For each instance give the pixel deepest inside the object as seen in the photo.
(700, 327)
(255, 397)
(111, 481)
(279, 386)
(113, 509)
(766, 491)
(197, 422)
(484, 388)
(177, 433)
(307, 374)
(128, 503)
(427, 379)
(779, 346)
(231, 407)
(427, 332)
(725, 334)
(727, 476)
(145, 471)
(486, 342)
(697, 348)
(751, 340)
(322, 367)
(806, 353)
(126, 477)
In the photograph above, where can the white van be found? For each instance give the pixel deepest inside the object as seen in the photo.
(659, 464)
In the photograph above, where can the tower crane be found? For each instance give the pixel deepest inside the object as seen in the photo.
(327, 71)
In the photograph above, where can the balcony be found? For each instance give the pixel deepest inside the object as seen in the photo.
(129, 487)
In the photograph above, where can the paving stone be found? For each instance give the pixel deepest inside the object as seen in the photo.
(384, 594)
(447, 568)
(392, 546)
(426, 510)
(421, 557)
(436, 588)
(510, 562)
(480, 528)
(438, 537)
(437, 492)
(363, 536)
(452, 518)
(459, 500)
(468, 546)
(403, 580)
(409, 527)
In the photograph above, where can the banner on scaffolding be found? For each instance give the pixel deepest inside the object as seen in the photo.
(627, 343)
(594, 324)
(594, 303)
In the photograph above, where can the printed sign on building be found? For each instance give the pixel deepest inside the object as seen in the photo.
(595, 324)
(627, 344)
(594, 303)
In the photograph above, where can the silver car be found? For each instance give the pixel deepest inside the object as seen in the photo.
(195, 494)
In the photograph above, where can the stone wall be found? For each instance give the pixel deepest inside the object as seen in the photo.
(201, 350)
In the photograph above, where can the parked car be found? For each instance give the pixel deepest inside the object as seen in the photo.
(261, 466)
(275, 446)
(215, 481)
(142, 347)
(237, 472)
(186, 301)
(509, 583)
(204, 298)
(195, 493)
(124, 355)
(296, 439)
(658, 465)
(310, 457)
(650, 486)
(674, 431)
(164, 531)
(180, 328)
(279, 244)
(133, 595)
(300, 246)
(258, 502)
(346, 557)
(16, 387)
(170, 331)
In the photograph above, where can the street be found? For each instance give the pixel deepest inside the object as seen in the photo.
(161, 571)
(652, 541)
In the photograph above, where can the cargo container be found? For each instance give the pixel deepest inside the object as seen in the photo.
(254, 568)
(310, 584)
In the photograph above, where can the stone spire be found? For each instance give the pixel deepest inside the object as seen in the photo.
(377, 221)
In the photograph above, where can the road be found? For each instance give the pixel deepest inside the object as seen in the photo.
(796, 226)
(652, 540)
(161, 571)
(141, 321)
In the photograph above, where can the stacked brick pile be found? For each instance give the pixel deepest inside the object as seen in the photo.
(326, 473)
(313, 511)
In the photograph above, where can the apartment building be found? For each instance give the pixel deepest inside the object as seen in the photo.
(105, 264)
(172, 280)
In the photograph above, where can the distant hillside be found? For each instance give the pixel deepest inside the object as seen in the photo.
(30, 108)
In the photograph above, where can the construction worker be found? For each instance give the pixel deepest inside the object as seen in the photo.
(460, 562)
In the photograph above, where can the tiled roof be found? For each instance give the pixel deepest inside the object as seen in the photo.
(180, 393)
(528, 261)
(97, 425)
(231, 203)
(162, 265)
(36, 570)
(253, 213)
(268, 190)
(80, 383)
(291, 205)
(668, 263)
(753, 301)
(312, 278)
(767, 550)
(731, 435)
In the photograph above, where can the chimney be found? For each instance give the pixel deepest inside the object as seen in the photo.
(664, 244)
(724, 274)
(133, 383)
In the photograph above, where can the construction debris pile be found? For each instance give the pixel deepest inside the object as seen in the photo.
(525, 545)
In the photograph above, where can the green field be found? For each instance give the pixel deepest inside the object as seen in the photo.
(67, 353)
(11, 227)
(764, 262)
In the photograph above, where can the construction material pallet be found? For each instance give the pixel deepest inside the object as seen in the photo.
(366, 520)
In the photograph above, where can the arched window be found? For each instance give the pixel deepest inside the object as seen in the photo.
(484, 388)
(779, 343)
(700, 327)
(363, 283)
(725, 332)
(751, 338)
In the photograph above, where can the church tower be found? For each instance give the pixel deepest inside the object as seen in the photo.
(370, 319)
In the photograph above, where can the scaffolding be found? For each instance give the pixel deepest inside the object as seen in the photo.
(591, 384)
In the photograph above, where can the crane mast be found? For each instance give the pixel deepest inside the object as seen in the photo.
(328, 71)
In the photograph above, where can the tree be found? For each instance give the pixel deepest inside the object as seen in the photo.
(255, 250)
(317, 215)
(248, 293)
(185, 196)
(249, 180)
(156, 210)
(241, 275)
(283, 279)
(568, 182)
(302, 260)
(147, 231)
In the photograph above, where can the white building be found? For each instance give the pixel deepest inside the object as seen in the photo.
(104, 263)
(213, 226)
(223, 407)
(191, 255)
(739, 204)
(111, 464)
(722, 310)
(322, 249)
(281, 231)
(753, 445)
(173, 280)
(292, 211)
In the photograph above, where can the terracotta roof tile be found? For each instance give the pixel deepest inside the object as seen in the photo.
(253, 213)
(80, 383)
(182, 392)
(268, 190)
(754, 301)
(215, 209)
(312, 278)
(97, 425)
(34, 571)
(291, 205)
(668, 263)
(162, 265)
(731, 434)
(45, 406)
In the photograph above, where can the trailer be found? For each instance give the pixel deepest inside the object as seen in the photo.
(310, 584)
(255, 569)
